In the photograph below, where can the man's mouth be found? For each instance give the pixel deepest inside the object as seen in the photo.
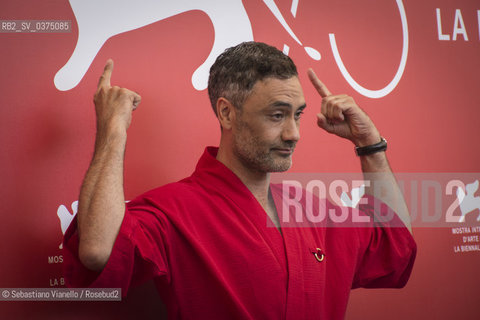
(284, 151)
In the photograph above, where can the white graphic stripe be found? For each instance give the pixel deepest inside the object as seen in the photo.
(403, 61)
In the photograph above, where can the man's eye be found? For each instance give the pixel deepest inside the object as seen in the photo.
(277, 116)
(298, 115)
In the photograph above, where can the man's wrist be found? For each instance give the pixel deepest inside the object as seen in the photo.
(115, 137)
(367, 140)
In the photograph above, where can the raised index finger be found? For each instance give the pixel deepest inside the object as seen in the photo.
(104, 80)
(321, 88)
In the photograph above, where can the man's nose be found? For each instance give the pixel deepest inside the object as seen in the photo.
(291, 130)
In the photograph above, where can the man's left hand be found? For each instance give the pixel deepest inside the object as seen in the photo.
(341, 116)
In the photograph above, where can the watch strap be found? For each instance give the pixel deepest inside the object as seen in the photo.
(371, 149)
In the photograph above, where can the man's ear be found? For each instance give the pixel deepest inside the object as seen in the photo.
(226, 113)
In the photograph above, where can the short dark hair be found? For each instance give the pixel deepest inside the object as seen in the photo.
(238, 68)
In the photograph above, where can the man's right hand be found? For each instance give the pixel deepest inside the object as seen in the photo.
(113, 105)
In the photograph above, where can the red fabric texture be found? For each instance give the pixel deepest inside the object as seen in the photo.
(206, 242)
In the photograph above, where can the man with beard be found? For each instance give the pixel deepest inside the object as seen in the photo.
(205, 240)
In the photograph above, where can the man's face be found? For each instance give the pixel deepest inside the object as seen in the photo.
(266, 128)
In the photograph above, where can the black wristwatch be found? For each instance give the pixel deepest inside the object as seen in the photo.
(371, 149)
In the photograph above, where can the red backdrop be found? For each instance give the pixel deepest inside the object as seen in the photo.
(430, 118)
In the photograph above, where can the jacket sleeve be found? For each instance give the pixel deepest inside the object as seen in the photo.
(139, 252)
(387, 249)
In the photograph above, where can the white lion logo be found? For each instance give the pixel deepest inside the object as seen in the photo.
(66, 217)
(468, 201)
(98, 20)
